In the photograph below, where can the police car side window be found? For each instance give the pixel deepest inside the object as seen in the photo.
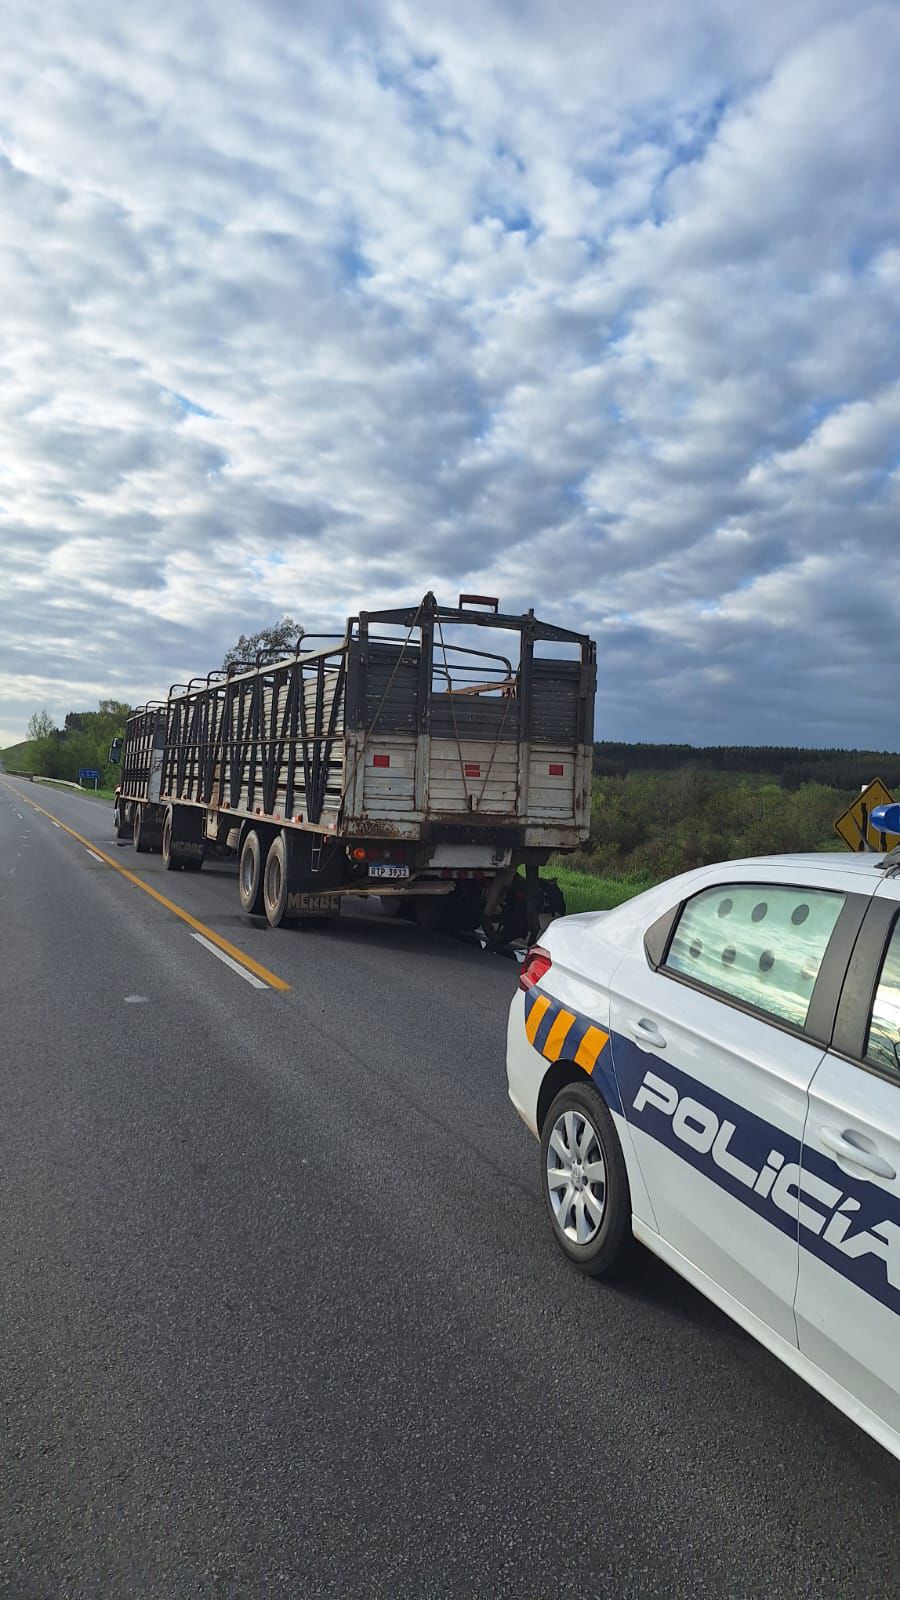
(883, 1042)
(761, 944)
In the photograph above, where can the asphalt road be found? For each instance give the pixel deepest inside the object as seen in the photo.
(279, 1310)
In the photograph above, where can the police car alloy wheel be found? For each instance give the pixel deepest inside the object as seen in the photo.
(576, 1177)
(584, 1182)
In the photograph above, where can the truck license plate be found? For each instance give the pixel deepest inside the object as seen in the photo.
(388, 872)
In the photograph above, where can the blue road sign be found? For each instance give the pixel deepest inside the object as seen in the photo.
(87, 772)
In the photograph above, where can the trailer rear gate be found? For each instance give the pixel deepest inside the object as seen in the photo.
(379, 737)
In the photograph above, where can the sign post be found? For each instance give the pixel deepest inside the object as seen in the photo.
(89, 772)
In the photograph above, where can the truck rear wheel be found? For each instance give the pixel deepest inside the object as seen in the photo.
(428, 912)
(275, 884)
(292, 891)
(250, 874)
(123, 824)
(170, 861)
(459, 912)
(179, 850)
(140, 833)
(464, 908)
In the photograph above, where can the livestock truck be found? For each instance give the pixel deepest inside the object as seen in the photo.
(423, 756)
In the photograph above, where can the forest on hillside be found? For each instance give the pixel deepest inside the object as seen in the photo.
(82, 742)
(790, 765)
(655, 824)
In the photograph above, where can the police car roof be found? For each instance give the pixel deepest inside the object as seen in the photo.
(867, 862)
(633, 916)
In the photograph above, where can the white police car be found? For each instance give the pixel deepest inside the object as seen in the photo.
(714, 1069)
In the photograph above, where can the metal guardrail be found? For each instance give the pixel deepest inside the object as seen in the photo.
(62, 783)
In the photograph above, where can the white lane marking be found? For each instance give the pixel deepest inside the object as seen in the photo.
(249, 977)
(136, 1000)
(95, 858)
(53, 824)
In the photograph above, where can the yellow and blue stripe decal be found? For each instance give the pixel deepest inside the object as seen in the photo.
(559, 1032)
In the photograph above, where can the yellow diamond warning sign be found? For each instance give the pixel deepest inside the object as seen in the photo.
(854, 826)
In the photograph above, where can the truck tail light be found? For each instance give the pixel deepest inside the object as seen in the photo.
(536, 963)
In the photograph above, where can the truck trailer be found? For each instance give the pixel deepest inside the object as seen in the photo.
(423, 756)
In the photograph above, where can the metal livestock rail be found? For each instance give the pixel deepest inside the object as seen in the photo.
(401, 759)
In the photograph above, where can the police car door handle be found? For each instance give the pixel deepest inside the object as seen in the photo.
(647, 1033)
(843, 1145)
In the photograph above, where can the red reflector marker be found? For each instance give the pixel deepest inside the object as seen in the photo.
(536, 963)
(472, 769)
(381, 761)
(556, 769)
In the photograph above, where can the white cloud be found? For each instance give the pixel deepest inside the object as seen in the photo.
(583, 306)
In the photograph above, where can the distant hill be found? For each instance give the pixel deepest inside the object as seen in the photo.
(83, 742)
(19, 756)
(789, 765)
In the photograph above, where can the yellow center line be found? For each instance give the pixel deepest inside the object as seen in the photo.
(230, 949)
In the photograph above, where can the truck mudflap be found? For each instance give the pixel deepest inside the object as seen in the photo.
(183, 838)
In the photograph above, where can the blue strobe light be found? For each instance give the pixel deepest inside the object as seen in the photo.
(886, 819)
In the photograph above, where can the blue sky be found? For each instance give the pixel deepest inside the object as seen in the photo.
(594, 308)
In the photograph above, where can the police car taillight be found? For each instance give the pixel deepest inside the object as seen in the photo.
(536, 963)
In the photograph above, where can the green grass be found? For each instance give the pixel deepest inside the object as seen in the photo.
(588, 891)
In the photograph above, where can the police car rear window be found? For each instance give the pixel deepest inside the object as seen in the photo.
(761, 944)
(883, 1043)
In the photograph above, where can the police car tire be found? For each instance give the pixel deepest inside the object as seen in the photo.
(613, 1249)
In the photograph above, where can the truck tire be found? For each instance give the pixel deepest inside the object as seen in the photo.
(463, 910)
(289, 879)
(582, 1166)
(250, 874)
(429, 909)
(123, 825)
(170, 862)
(459, 912)
(174, 859)
(139, 832)
(275, 884)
